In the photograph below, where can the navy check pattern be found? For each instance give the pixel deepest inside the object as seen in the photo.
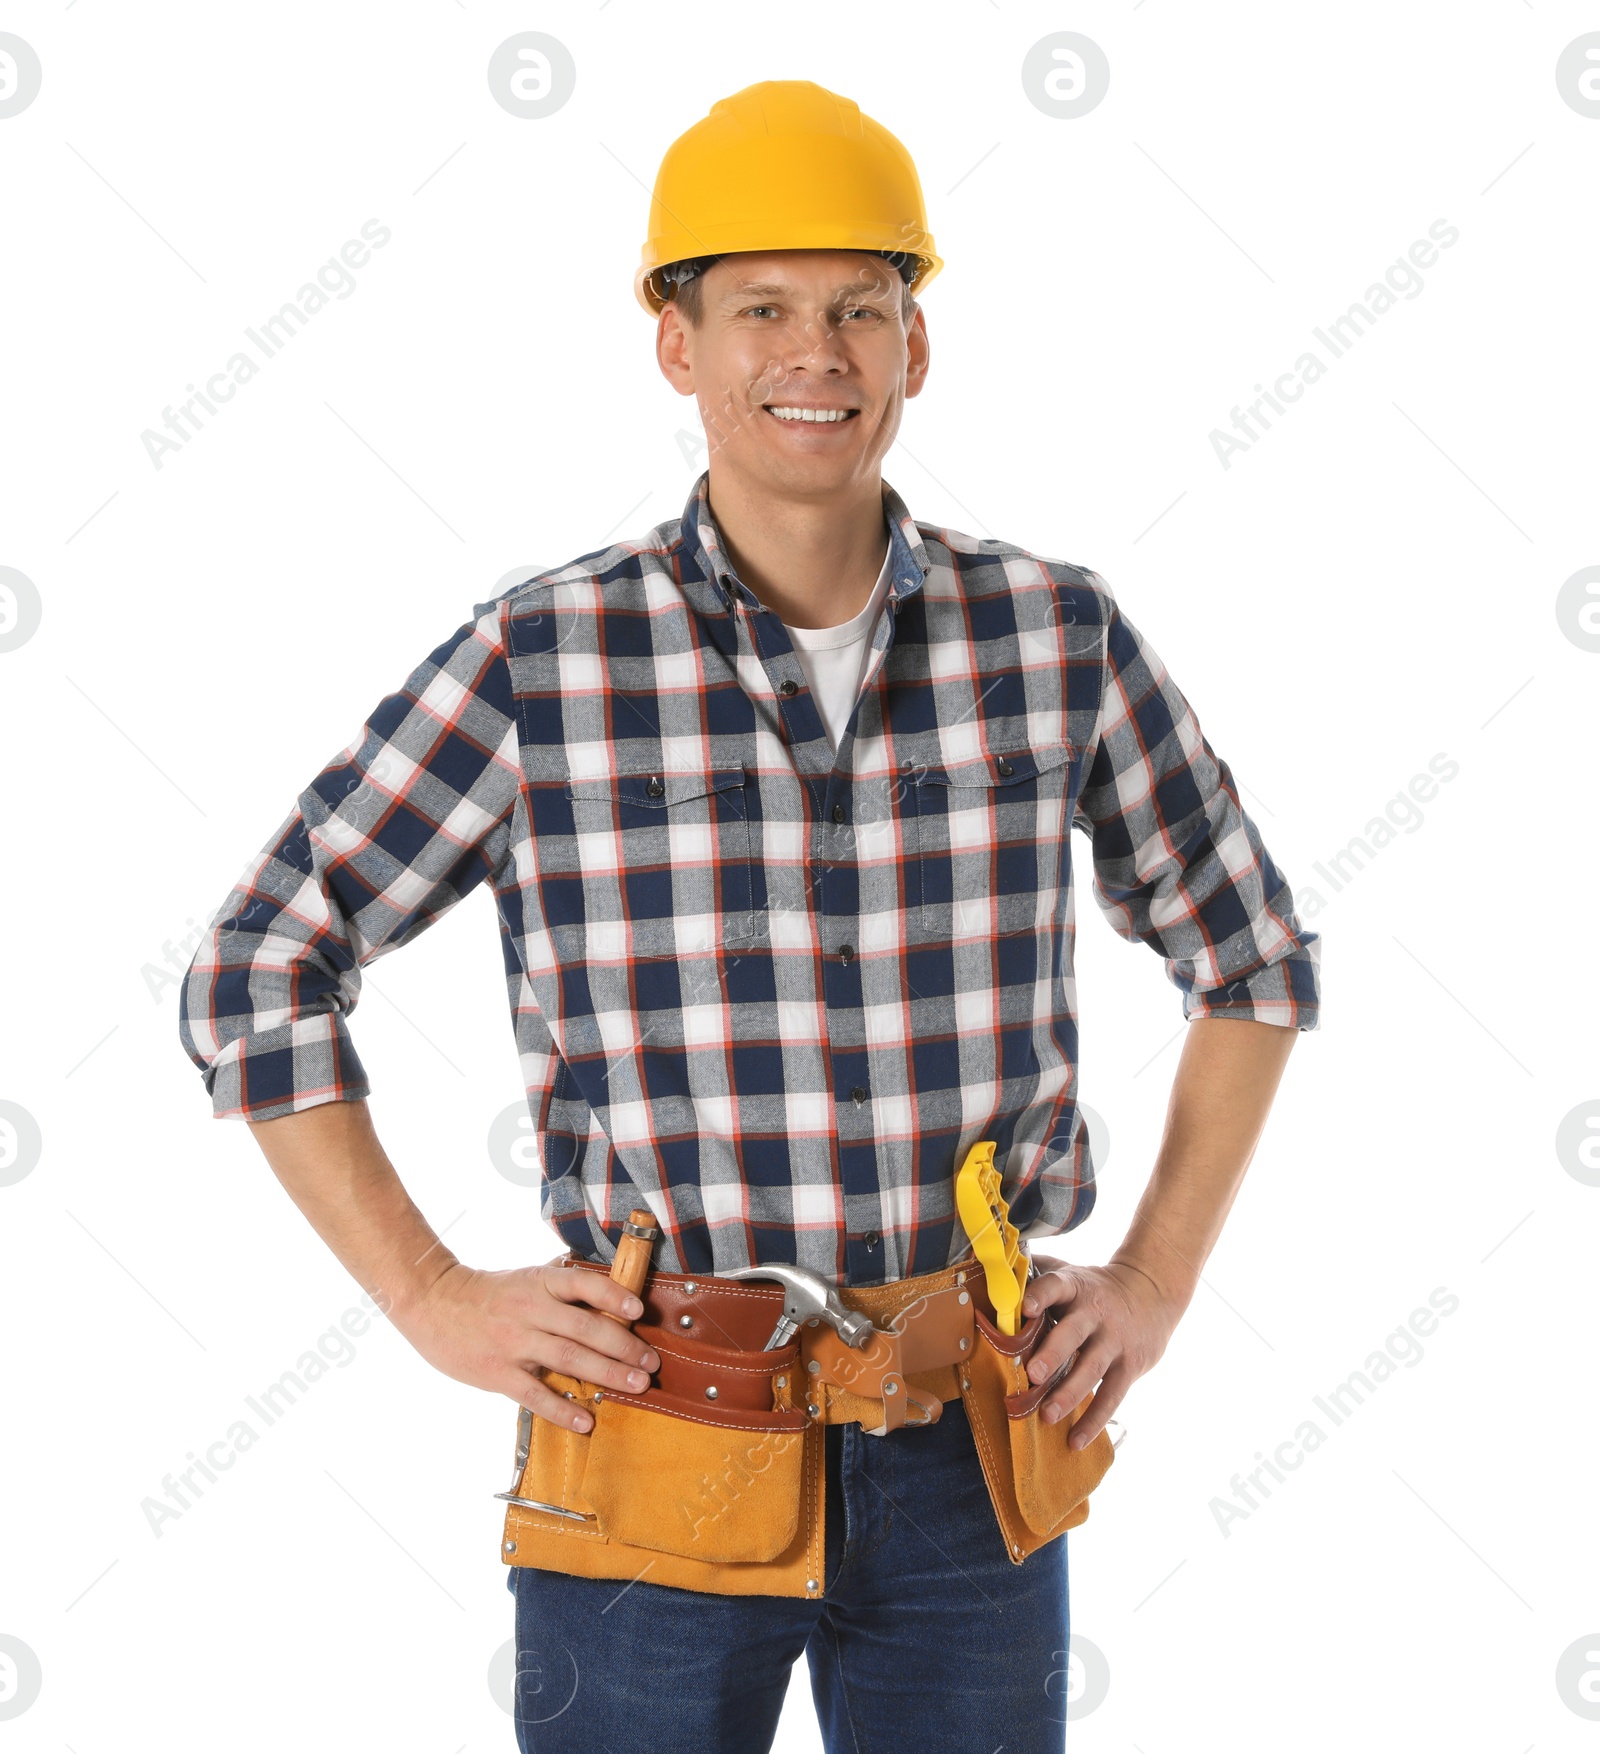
(771, 992)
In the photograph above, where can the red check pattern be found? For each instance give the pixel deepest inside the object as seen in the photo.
(771, 991)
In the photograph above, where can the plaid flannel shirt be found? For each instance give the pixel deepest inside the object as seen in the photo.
(772, 992)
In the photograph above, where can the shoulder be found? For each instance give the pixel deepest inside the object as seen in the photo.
(974, 568)
(630, 574)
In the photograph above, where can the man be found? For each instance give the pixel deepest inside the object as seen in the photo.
(775, 804)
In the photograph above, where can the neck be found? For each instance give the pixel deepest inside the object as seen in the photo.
(811, 560)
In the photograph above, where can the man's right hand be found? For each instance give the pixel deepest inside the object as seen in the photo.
(493, 1330)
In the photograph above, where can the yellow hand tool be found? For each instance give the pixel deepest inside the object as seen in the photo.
(985, 1216)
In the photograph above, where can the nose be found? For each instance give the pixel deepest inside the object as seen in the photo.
(813, 344)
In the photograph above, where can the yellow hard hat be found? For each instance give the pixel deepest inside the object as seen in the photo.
(784, 165)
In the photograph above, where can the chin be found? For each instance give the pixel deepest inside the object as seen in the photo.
(810, 475)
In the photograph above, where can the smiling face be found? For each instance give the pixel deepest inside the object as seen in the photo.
(801, 363)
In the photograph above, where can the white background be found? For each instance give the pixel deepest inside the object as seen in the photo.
(1373, 583)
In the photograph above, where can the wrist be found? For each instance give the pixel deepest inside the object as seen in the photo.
(408, 1298)
(1173, 1287)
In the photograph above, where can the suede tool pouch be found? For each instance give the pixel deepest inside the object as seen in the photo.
(1039, 1486)
(722, 1487)
(713, 1476)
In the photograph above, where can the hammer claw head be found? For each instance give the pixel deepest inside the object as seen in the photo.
(807, 1295)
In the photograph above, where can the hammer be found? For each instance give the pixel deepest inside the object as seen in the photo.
(808, 1295)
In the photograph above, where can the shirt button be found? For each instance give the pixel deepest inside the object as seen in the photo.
(788, 686)
(655, 788)
(872, 1239)
(846, 951)
(1006, 770)
(838, 812)
(859, 1094)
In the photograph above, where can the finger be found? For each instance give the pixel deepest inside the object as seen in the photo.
(1095, 1418)
(1070, 1333)
(599, 1332)
(1113, 1382)
(604, 1363)
(546, 1403)
(1059, 1285)
(599, 1290)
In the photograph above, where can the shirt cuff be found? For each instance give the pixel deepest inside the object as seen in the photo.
(1287, 992)
(280, 1071)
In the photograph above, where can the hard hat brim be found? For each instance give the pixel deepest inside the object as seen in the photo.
(648, 291)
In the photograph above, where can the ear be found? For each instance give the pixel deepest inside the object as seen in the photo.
(917, 354)
(674, 349)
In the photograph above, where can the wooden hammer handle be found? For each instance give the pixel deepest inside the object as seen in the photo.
(631, 1266)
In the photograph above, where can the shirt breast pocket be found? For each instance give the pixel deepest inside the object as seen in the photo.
(991, 842)
(665, 863)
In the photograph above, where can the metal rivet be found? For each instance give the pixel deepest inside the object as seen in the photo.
(1015, 1548)
(813, 1366)
(813, 1322)
(966, 1382)
(811, 1583)
(890, 1388)
(711, 1391)
(511, 1546)
(597, 1394)
(965, 1297)
(691, 1288)
(812, 1408)
(685, 1321)
(571, 1394)
(964, 1345)
(780, 1382)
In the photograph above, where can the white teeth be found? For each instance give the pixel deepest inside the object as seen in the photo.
(824, 415)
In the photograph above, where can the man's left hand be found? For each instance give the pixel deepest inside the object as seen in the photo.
(1116, 1318)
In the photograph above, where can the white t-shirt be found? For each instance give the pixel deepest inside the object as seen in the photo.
(834, 659)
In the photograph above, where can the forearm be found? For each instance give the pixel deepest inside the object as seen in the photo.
(334, 1169)
(1227, 1076)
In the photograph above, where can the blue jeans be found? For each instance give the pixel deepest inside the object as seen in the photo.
(928, 1637)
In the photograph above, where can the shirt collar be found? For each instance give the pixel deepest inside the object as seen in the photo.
(909, 562)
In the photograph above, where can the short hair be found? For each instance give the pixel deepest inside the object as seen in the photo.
(682, 282)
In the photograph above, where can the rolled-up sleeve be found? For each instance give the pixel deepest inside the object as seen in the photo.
(390, 835)
(1178, 864)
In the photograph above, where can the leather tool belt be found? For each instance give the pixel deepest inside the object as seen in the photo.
(713, 1477)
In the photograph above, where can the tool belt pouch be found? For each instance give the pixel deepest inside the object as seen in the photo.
(703, 1490)
(1039, 1486)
